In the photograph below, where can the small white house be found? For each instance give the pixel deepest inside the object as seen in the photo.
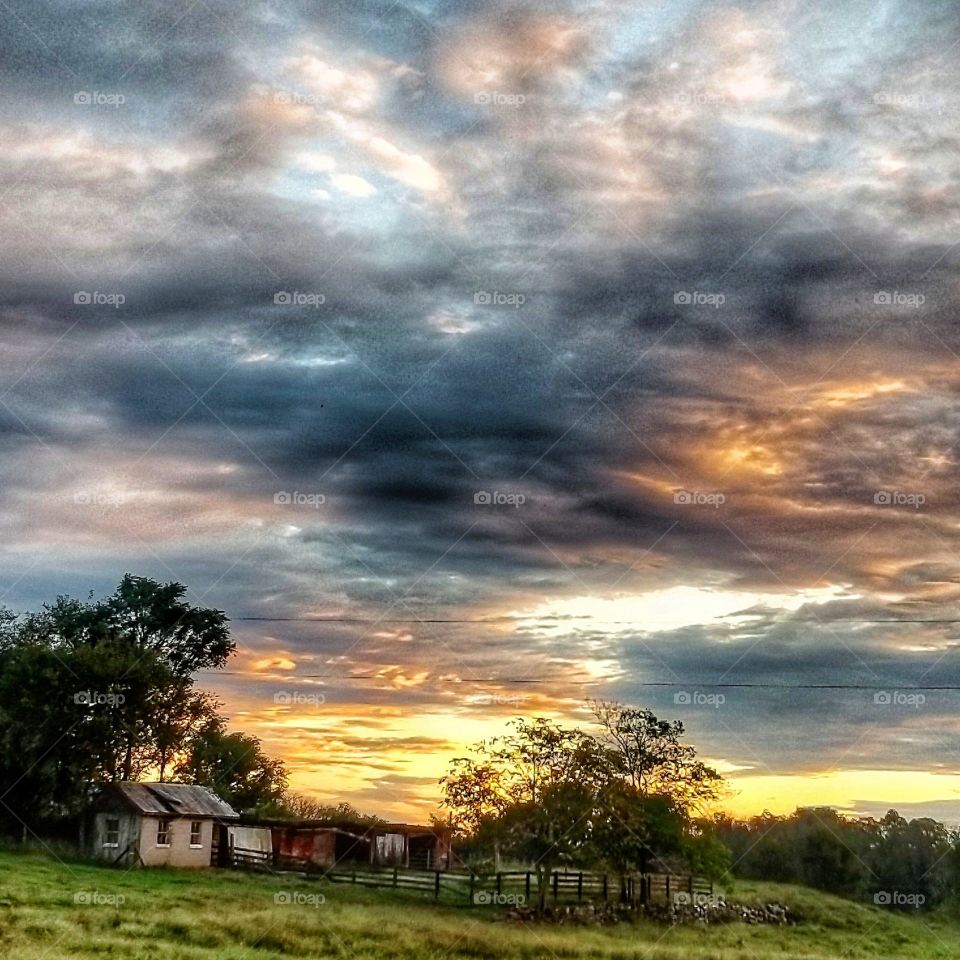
(158, 824)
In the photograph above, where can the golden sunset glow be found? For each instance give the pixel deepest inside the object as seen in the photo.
(478, 363)
(852, 791)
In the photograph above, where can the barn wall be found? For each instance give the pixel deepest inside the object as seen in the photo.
(179, 853)
(390, 850)
(129, 826)
(324, 847)
(317, 846)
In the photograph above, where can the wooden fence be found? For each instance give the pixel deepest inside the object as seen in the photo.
(505, 888)
(581, 885)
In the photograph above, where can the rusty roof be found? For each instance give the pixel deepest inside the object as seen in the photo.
(342, 823)
(173, 799)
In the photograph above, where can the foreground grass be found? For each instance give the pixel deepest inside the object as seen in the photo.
(189, 915)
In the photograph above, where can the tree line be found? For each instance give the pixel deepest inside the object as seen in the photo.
(890, 861)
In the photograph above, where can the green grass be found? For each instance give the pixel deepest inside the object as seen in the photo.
(202, 915)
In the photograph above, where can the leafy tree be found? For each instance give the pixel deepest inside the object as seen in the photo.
(551, 831)
(143, 615)
(830, 851)
(549, 795)
(912, 857)
(43, 763)
(97, 691)
(175, 721)
(235, 767)
(527, 793)
(631, 829)
(653, 758)
(475, 792)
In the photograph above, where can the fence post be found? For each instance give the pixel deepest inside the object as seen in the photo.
(580, 885)
(690, 884)
(556, 886)
(604, 888)
(499, 884)
(436, 885)
(668, 887)
(526, 887)
(394, 876)
(470, 894)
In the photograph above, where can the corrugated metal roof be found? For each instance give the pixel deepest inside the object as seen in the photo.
(177, 799)
(339, 823)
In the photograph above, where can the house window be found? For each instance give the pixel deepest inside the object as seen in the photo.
(196, 838)
(111, 836)
(163, 833)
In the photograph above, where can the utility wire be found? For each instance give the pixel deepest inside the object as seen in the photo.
(559, 620)
(594, 680)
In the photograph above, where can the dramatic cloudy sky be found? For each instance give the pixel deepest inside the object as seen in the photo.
(669, 288)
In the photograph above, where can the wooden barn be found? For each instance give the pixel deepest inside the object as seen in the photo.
(157, 824)
(329, 843)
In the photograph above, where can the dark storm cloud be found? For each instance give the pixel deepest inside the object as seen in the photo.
(503, 287)
(151, 51)
(767, 675)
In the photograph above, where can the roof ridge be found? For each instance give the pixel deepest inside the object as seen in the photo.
(163, 798)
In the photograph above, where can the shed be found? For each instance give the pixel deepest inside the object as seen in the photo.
(157, 824)
(335, 842)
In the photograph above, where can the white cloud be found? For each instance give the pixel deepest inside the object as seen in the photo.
(353, 185)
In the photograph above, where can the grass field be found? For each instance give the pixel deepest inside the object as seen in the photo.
(53, 909)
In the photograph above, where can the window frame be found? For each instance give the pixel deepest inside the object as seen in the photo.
(109, 832)
(198, 833)
(163, 830)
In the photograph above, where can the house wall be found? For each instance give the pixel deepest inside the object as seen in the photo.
(179, 853)
(128, 837)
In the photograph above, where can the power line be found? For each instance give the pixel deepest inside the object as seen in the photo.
(594, 680)
(396, 620)
(561, 620)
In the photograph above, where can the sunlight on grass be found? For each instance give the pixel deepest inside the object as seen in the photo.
(169, 915)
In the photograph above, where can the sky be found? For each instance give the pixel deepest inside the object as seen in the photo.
(479, 359)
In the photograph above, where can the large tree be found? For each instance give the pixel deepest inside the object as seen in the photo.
(140, 615)
(549, 795)
(527, 793)
(235, 767)
(653, 758)
(93, 691)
